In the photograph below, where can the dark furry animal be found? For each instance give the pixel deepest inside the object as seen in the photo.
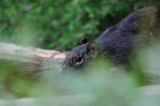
(119, 41)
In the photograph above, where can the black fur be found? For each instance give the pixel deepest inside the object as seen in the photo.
(83, 41)
(119, 40)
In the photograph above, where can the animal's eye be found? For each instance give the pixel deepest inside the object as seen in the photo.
(78, 60)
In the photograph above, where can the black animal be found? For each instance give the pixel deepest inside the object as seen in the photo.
(118, 42)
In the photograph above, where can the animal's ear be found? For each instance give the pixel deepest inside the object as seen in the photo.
(83, 41)
(91, 46)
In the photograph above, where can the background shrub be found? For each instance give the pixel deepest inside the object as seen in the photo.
(61, 24)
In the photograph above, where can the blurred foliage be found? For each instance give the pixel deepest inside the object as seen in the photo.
(16, 78)
(96, 85)
(61, 24)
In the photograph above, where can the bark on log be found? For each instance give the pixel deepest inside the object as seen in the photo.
(30, 54)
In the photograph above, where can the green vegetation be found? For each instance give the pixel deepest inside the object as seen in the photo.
(60, 25)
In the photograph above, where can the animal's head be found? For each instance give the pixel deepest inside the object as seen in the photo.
(79, 56)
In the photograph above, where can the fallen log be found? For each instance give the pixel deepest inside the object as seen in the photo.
(29, 54)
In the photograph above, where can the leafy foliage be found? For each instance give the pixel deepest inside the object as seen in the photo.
(61, 24)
